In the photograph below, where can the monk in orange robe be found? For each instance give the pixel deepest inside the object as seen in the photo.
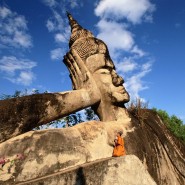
(119, 149)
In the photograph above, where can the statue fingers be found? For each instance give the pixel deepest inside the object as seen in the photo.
(72, 72)
(74, 84)
(79, 61)
(86, 75)
(77, 70)
(78, 73)
(73, 79)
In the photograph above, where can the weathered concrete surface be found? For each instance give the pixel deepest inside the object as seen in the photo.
(155, 145)
(95, 82)
(86, 49)
(50, 151)
(20, 115)
(123, 170)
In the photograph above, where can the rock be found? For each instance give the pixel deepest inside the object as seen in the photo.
(52, 151)
(48, 151)
(122, 170)
(162, 153)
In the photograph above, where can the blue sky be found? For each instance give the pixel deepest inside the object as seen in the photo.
(146, 40)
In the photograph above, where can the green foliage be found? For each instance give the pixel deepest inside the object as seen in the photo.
(174, 124)
(90, 115)
(15, 95)
(18, 94)
(72, 119)
(163, 114)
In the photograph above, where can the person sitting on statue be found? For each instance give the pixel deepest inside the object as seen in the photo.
(119, 149)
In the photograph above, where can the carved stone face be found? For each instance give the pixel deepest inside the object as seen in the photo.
(108, 81)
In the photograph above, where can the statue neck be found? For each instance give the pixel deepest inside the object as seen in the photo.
(110, 112)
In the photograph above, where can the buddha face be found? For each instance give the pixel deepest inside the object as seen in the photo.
(108, 81)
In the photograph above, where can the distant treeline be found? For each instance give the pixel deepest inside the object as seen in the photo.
(174, 124)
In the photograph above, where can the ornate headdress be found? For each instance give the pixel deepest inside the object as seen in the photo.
(83, 41)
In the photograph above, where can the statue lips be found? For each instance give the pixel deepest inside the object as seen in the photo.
(121, 89)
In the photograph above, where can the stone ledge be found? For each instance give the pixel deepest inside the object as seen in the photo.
(122, 170)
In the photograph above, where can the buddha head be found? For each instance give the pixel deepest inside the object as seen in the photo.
(95, 56)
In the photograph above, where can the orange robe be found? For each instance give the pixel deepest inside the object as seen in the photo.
(119, 149)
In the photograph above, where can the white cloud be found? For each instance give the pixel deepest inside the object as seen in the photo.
(138, 51)
(133, 74)
(115, 35)
(133, 10)
(58, 20)
(125, 66)
(134, 83)
(21, 39)
(146, 67)
(24, 78)
(57, 54)
(20, 22)
(10, 64)
(62, 3)
(60, 38)
(4, 12)
(13, 29)
(114, 28)
(50, 3)
(73, 3)
(50, 25)
(17, 70)
(57, 25)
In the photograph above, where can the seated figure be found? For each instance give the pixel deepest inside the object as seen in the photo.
(95, 84)
(119, 149)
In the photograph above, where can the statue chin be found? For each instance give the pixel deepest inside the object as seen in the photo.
(118, 98)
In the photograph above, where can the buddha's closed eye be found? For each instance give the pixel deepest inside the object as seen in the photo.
(104, 71)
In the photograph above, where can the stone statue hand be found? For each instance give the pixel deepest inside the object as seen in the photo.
(80, 75)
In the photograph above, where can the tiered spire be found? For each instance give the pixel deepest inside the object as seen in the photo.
(73, 23)
(77, 31)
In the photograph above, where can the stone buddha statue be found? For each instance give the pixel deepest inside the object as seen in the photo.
(95, 83)
(94, 54)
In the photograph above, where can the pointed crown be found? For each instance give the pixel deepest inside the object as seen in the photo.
(86, 45)
(77, 32)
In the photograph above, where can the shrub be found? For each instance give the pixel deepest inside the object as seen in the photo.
(139, 109)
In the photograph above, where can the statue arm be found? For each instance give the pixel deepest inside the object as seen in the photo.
(19, 115)
(80, 75)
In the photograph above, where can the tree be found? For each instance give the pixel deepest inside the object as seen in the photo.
(173, 123)
(90, 115)
(164, 115)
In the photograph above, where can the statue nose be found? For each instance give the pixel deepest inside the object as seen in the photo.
(117, 80)
(121, 80)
